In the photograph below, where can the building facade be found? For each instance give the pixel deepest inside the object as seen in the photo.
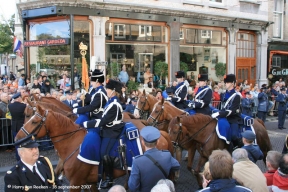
(204, 34)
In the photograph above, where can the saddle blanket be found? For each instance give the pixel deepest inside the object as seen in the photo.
(91, 145)
(223, 126)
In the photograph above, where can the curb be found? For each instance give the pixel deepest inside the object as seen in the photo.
(5, 169)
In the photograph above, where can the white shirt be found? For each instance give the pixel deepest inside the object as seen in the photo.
(31, 168)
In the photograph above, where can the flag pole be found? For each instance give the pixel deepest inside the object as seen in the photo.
(85, 79)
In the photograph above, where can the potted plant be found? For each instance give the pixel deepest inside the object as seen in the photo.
(115, 69)
(161, 70)
(183, 67)
(220, 69)
(132, 85)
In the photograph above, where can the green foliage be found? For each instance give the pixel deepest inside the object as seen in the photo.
(132, 85)
(161, 69)
(6, 36)
(183, 67)
(115, 69)
(220, 69)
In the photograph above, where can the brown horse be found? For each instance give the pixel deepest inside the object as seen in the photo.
(67, 137)
(201, 129)
(53, 101)
(144, 104)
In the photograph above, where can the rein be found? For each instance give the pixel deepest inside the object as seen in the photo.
(141, 111)
(190, 138)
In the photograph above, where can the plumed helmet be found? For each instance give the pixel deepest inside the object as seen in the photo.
(202, 77)
(114, 85)
(97, 75)
(230, 78)
(179, 74)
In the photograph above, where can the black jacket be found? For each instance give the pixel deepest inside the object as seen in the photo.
(21, 175)
(17, 112)
(46, 88)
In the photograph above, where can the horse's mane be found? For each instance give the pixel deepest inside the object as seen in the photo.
(52, 99)
(173, 106)
(52, 107)
(193, 120)
(65, 121)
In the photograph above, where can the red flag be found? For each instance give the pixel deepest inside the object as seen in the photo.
(85, 78)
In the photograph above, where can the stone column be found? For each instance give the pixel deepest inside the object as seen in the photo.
(98, 38)
(174, 57)
(261, 58)
(231, 63)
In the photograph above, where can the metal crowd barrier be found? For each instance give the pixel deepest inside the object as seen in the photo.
(6, 136)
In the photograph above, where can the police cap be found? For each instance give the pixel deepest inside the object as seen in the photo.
(27, 142)
(150, 134)
(249, 135)
(16, 95)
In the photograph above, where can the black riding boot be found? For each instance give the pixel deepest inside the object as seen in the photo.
(108, 169)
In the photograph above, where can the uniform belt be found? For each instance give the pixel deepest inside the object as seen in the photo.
(114, 123)
(98, 110)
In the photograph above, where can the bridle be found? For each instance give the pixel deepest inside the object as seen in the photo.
(142, 111)
(178, 144)
(155, 121)
(39, 126)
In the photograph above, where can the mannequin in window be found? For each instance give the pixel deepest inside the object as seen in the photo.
(147, 74)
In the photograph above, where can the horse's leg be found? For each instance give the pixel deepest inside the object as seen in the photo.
(191, 155)
(201, 163)
(59, 167)
(178, 152)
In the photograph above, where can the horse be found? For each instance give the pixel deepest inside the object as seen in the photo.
(183, 130)
(53, 101)
(67, 138)
(144, 104)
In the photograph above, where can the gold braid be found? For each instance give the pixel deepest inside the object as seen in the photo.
(52, 181)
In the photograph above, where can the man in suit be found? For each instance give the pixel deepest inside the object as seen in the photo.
(141, 178)
(17, 109)
(282, 107)
(69, 102)
(32, 172)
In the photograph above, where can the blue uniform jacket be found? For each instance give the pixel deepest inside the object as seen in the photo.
(145, 174)
(180, 93)
(254, 152)
(225, 185)
(88, 96)
(231, 108)
(66, 102)
(263, 104)
(282, 102)
(247, 106)
(98, 101)
(202, 100)
(110, 123)
(130, 108)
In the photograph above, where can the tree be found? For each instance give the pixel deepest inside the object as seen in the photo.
(7, 36)
(220, 69)
(161, 69)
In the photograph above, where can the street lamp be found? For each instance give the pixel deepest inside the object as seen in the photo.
(13, 57)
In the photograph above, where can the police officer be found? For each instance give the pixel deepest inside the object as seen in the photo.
(231, 108)
(32, 171)
(254, 151)
(203, 96)
(180, 91)
(145, 172)
(263, 105)
(247, 104)
(110, 125)
(282, 107)
(98, 99)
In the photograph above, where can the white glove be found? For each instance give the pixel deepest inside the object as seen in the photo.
(75, 105)
(191, 105)
(75, 111)
(83, 91)
(214, 115)
(186, 83)
(85, 124)
(168, 98)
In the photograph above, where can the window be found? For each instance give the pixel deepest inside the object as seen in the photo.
(206, 34)
(119, 31)
(277, 18)
(217, 1)
(245, 45)
(145, 30)
(276, 61)
(181, 33)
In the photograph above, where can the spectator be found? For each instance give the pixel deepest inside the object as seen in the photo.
(46, 88)
(147, 75)
(117, 188)
(123, 75)
(150, 83)
(247, 104)
(29, 84)
(282, 108)
(131, 107)
(221, 169)
(272, 164)
(167, 182)
(206, 175)
(245, 172)
(263, 103)
(12, 76)
(159, 94)
(63, 82)
(69, 102)
(280, 178)
(5, 128)
(160, 188)
(141, 178)
(216, 97)
(36, 84)
(21, 80)
(123, 97)
(254, 152)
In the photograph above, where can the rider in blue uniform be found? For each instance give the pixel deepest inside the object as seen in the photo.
(282, 107)
(110, 126)
(180, 91)
(231, 109)
(98, 99)
(203, 96)
(247, 104)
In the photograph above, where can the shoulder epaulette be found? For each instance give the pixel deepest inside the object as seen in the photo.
(165, 151)
(12, 169)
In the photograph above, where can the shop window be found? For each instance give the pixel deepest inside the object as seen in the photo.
(206, 34)
(276, 61)
(278, 19)
(119, 31)
(145, 31)
(195, 36)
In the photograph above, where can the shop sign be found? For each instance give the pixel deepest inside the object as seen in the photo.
(279, 71)
(46, 42)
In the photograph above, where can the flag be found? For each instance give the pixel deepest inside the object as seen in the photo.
(85, 78)
(18, 47)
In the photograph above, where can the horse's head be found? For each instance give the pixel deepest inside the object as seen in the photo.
(142, 105)
(177, 131)
(158, 114)
(34, 125)
(29, 110)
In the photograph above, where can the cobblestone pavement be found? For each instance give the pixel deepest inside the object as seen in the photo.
(187, 181)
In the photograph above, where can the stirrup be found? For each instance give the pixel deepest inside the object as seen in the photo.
(106, 184)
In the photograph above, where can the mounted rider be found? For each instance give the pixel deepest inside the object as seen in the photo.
(98, 99)
(180, 91)
(109, 127)
(231, 109)
(203, 97)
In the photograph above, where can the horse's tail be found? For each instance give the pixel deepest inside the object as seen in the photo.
(261, 122)
(170, 146)
(268, 142)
